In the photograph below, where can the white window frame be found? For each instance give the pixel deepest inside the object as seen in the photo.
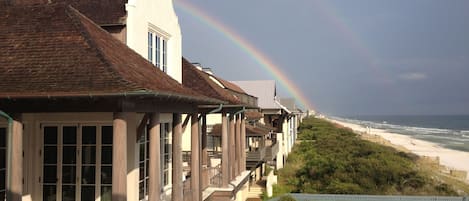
(158, 52)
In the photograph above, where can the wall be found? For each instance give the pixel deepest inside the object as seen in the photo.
(158, 15)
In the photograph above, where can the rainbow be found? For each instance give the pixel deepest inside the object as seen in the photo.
(259, 57)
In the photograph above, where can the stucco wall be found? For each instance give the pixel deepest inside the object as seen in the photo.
(159, 16)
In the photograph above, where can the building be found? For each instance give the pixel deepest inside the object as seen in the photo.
(224, 159)
(87, 117)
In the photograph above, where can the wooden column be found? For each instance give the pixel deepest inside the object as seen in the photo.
(232, 147)
(155, 159)
(243, 142)
(204, 142)
(15, 164)
(225, 168)
(177, 190)
(119, 157)
(195, 159)
(204, 179)
(238, 144)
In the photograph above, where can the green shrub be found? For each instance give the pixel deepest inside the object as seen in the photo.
(333, 159)
(287, 198)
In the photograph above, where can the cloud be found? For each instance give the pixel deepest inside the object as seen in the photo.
(413, 76)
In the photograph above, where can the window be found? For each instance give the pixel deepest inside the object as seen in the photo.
(165, 58)
(3, 139)
(144, 159)
(77, 162)
(157, 51)
(165, 153)
(150, 47)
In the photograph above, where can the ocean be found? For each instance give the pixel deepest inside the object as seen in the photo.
(449, 131)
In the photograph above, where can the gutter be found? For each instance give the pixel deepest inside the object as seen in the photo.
(9, 145)
(118, 94)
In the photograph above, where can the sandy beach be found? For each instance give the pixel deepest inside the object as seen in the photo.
(451, 159)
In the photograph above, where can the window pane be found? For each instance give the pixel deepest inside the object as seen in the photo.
(50, 154)
(165, 58)
(49, 193)
(150, 47)
(88, 155)
(50, 174)
(69, 135)
(50, 135)
(141, 171)
(106, 135)
(88, 175)
(106, 175)
(2, 180)
(87, 193)
(69, 155)
(106, 192)
(68, 193)
(142, 152)
(69, 174)
(89, 135)
(2, 159)
(3, 137)
(106, 155)
(141, 191)
(157, 51)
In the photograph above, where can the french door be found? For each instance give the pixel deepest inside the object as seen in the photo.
(77, 162)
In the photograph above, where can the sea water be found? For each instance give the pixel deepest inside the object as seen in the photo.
(450, 131)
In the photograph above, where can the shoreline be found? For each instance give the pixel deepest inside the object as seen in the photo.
(451, 160)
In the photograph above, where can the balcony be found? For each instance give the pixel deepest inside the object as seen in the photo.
(271, 151)
(257, 155)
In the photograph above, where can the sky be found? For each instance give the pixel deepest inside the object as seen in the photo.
(361, 57)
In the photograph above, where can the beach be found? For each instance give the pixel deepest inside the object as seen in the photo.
(452, 160)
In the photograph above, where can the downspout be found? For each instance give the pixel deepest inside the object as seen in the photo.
(213, 111)
(9, 145)
(242, 110)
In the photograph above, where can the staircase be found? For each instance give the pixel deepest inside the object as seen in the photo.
(255, 191)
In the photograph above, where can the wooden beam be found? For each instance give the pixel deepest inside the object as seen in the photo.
(177, 190)
(15, 190)
(243, 142)
(119, 157)
(232, 146)
(238, 144)
(155, 158)
(195, 159)
(204, 141)
(142, 126)
(225, 168)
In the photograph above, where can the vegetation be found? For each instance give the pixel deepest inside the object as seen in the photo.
(334, 160)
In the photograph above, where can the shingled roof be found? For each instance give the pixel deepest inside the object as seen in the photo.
(53, 50)
(102, 12)
(200, 82)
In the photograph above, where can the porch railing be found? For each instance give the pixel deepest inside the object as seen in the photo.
(257, 155)
(271, 151)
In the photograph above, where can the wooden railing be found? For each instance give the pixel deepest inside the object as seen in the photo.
(257, 155)
(271, 151)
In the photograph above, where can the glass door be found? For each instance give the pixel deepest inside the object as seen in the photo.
(77, 163)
